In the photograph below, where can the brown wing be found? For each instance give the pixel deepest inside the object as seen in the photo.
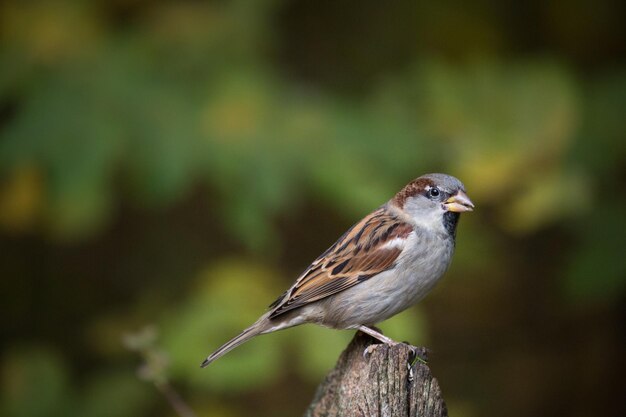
(357, 256)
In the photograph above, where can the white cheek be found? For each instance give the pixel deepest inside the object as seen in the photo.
(430, 220)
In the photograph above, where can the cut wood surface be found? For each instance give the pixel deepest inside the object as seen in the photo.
(388, 382)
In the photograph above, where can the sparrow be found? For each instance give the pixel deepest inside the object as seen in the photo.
(382, 265)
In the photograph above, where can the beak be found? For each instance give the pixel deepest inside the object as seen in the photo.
(459, 203)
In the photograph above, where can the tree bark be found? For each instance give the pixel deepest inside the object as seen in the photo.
(388, 382)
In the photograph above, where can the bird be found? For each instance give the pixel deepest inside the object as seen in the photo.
(384, 264)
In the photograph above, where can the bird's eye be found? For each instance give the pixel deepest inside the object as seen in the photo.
(433, 192)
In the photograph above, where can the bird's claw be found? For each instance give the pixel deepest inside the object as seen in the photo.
(416, 354)
(368, 350)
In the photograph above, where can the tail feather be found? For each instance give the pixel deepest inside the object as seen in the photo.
(254, 330)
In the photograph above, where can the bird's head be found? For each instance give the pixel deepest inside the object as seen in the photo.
(434, 201)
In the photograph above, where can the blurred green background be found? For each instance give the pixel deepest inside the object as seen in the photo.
(177, 164)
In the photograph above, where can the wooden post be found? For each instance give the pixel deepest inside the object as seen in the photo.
(384, 383)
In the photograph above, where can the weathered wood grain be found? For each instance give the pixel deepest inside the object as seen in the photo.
(386, 383)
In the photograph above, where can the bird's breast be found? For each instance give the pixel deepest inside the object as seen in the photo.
(424, 260)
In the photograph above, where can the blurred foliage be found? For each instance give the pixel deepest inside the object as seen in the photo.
(178, 164)
(35, 383)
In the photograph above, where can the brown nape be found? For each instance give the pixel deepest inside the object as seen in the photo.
(417, 186)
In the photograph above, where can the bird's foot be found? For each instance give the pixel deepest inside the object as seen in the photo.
(368, 350)
(371, 348)
(418, 354)
(377, 335)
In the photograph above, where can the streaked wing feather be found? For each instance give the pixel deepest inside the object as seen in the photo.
(357, 256)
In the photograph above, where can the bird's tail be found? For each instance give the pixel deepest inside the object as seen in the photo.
(257, 328)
